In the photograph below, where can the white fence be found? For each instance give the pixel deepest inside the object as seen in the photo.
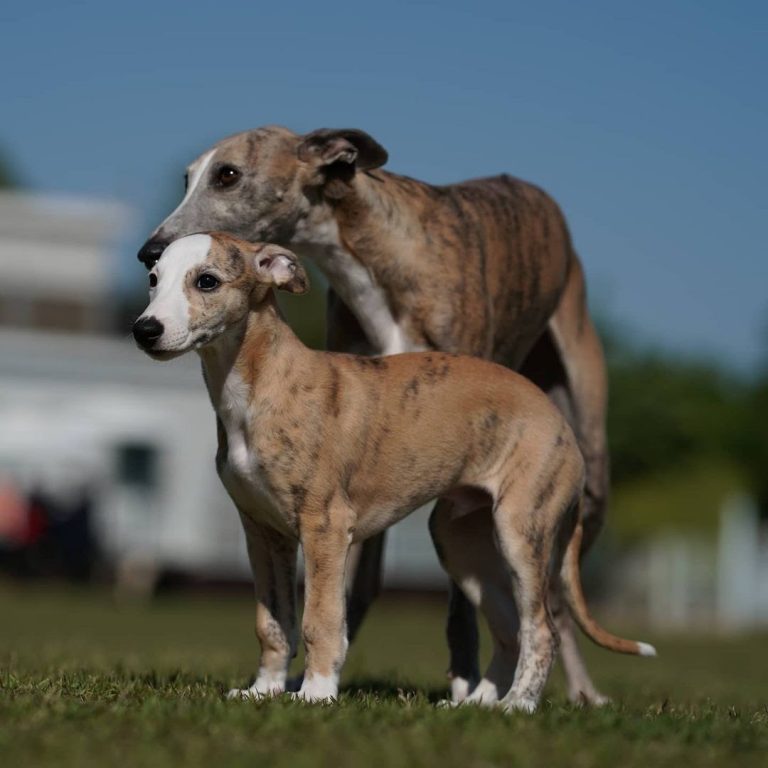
(690, 582)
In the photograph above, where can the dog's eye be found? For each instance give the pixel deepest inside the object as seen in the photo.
(226, 176)
(152, 279)
(207, 282)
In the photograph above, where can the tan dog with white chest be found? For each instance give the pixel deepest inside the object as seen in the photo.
(324, 450)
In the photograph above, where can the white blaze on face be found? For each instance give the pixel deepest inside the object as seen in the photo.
(168, 299)
(194, 179)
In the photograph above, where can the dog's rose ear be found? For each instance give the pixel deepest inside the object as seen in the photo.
(343, 145)
(280, 268)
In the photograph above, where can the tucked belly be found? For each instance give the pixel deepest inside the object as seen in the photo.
(378, 519)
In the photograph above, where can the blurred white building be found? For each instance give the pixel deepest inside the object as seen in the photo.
(688, 581)
(54, 261)
(82, 409)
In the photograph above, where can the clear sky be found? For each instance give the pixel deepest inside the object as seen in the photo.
(647, 121)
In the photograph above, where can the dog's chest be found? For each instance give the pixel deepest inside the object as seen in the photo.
(241, 467)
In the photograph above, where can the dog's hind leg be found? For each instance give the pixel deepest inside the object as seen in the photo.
(527, 535)
(567, 363)
(463, 644)
(467, 551)
(581, 689)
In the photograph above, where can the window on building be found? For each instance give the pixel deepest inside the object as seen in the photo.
(138, 466)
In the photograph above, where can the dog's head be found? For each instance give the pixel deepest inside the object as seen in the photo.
(205, 284)
(261, 184)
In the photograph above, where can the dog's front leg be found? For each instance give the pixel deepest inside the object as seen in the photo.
(273, 563)
(325, 539)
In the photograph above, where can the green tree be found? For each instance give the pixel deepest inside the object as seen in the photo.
(666, 412)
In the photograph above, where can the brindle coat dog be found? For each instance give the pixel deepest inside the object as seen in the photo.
(484, 267)
(326, 450)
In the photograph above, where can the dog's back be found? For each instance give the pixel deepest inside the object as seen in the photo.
(404, 429)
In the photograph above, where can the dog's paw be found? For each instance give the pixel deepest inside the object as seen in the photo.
(519, 704)
(461, 687)
(317, 689)
(591, 698)
(486, 694)
(265, 686)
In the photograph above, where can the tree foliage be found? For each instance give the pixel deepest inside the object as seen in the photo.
(670, 412)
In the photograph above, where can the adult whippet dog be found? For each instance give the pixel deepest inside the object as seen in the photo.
(484, 267)
(325, 449)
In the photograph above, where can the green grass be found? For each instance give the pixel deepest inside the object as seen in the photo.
(85, 682)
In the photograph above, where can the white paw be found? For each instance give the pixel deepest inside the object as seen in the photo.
(590, 698)
(460, 689)
(318, 688)
(266, 685)
(520, 704)
(486, 694)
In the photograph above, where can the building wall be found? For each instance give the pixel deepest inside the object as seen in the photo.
(55, 262)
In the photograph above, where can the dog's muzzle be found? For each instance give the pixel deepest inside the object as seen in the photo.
(146, 331)
(151, 251)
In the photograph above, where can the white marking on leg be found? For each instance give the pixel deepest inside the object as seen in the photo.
(319, 688)
(267, 683)
(646, 649)
(459, 689)
(486, 694)
(581, 689)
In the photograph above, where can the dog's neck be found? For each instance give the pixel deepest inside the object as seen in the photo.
(379, 194)
(372, 206)
(338, 238)
(249, 355)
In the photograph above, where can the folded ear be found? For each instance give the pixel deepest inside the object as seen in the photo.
(343, 145)
(280, 268)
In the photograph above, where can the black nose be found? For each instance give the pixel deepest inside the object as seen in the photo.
(151, 251)
(146, 331)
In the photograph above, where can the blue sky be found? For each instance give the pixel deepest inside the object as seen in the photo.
(647, 121)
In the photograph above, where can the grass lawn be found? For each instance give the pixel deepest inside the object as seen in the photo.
(85, 682)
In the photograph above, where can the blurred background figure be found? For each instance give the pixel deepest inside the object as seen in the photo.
(13, 526)
(646, 124)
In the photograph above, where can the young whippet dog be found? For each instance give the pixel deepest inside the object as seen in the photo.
(324, 450)
(483, 267)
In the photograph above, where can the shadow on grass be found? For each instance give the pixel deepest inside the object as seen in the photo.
(387, 689)
(172, 681)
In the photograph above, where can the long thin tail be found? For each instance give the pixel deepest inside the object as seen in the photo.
(574, 597)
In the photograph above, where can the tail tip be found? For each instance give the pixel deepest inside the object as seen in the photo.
(646, 649)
